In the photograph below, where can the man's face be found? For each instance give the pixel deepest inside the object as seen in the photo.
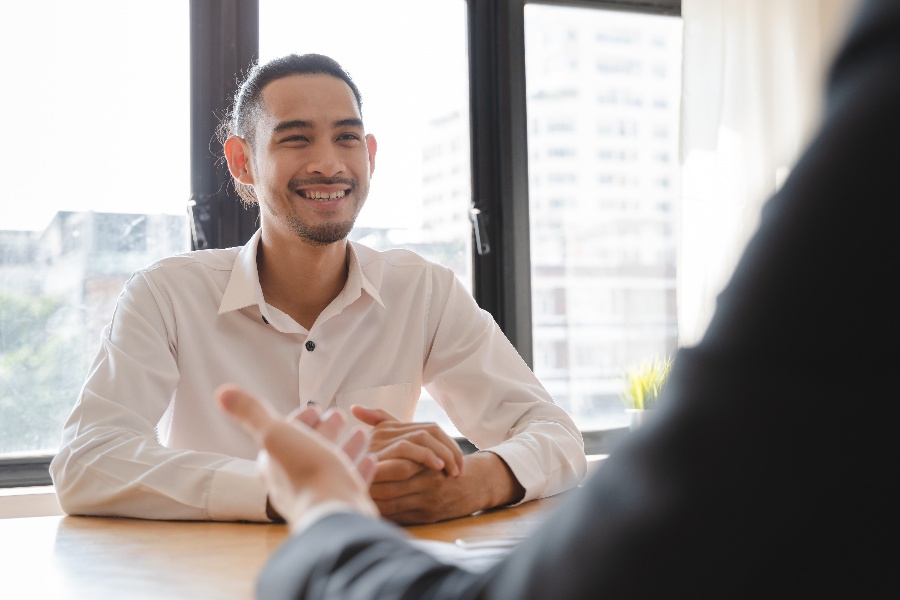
(312, 160)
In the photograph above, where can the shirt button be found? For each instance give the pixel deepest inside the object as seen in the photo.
(310, 345)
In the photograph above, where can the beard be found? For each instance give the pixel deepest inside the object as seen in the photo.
(326, 233)
(322, 235)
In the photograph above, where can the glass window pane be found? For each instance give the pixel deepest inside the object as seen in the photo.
(98, 140)
(602, 99)
(410, 62)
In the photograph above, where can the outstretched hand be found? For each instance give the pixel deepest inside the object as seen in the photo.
(304, 458)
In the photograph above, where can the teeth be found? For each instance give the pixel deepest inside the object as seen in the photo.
(323, 195)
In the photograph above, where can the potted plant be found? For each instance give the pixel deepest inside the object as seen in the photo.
(643, 383)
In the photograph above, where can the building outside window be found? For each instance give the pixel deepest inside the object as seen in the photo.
(98, 131)
(602, 102)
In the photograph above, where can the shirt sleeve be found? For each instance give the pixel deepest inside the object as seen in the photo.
(110, 460)
(493, 398)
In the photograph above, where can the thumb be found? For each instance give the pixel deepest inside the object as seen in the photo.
(371, 416)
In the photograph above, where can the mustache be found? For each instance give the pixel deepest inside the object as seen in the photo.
(298, 182)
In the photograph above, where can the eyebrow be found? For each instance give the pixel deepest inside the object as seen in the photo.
(302, 124)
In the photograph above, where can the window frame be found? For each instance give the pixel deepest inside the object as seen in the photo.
(224, 39)
(498, 118)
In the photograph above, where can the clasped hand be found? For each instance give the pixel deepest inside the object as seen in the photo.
(418, 478)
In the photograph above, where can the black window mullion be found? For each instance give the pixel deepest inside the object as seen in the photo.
(224, 42)
(502, 277)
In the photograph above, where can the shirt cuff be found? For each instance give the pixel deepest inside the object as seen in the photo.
(238, 493)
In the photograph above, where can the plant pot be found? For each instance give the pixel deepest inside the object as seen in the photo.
(637, 417)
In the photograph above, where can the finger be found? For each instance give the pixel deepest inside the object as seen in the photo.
(413, 451)
(308, 415)
(427, 435)
(396, 470)
(332, 424)
(371, 416)
(447, 449)
(253, 414)
(433, 441)
(409, 504)
(403, 494)
(356, 444)
(367, 467)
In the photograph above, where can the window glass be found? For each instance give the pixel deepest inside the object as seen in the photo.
(602, 102)
(97, 145)
(410, 62)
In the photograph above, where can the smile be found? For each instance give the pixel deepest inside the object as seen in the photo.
(317, 195)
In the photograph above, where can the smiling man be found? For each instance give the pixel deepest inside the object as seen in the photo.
(303, 317)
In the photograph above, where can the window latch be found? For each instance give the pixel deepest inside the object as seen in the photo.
(482, 246)
(198, 212)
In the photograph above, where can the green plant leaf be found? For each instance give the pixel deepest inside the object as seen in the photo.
(644, 382)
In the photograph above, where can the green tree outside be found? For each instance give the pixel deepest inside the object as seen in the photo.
(42, 368)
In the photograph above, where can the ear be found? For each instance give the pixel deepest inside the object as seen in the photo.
(237, 153)
(371, 146)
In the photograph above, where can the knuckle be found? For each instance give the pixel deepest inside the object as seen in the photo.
(408, 469)
(419, 436)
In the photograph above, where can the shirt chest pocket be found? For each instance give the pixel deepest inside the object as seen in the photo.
(396, 399)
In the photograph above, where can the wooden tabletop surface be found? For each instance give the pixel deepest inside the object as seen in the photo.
(97, 558)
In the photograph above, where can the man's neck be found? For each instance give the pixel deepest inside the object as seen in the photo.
(301, 279)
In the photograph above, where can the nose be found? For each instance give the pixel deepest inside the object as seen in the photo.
(326, 161)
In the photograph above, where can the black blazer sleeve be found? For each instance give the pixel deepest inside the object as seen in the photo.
(769, 468)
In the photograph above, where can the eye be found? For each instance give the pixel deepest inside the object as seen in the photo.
(348, 137)
(294, 139)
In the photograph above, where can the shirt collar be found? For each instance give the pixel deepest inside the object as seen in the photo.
(244, 290)
(243, 287)
(357, 283)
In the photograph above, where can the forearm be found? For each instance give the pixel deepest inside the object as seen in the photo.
(106, 471)
(500, 485)
(499, 405)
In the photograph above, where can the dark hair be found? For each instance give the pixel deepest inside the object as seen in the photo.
(246, 107)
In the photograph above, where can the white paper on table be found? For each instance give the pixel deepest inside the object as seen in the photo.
(472, 554)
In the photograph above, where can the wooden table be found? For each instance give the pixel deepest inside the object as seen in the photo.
(50, 558)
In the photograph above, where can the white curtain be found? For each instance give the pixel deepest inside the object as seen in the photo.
(752, 86)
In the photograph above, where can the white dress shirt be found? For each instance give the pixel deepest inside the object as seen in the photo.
(146, 438)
